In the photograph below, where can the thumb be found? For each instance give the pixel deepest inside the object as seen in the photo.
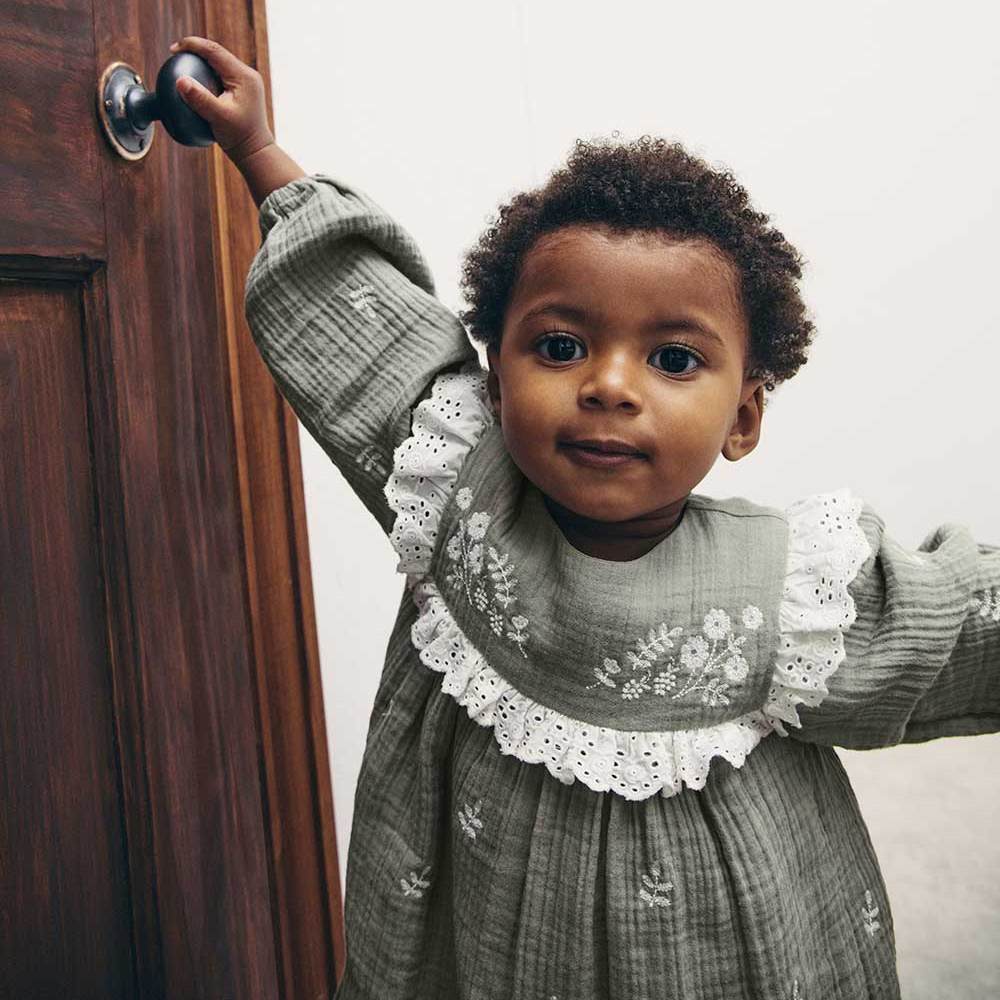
(198, 97)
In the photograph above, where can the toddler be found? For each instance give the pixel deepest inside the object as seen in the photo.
(540, 813)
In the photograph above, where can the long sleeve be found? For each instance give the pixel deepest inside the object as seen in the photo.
(341, 306)
(921, 659)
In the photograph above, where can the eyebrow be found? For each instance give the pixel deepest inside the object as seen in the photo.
(582, 315)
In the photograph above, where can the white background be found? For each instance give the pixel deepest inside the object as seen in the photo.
(868, 132)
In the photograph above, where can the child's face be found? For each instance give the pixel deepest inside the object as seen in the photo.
(586, 353)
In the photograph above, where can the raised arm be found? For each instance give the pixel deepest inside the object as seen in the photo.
(339, 299)
(341, 306)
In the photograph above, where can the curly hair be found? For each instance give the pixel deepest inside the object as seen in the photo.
(649, 185)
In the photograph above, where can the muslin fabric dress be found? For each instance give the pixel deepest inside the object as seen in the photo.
(597, 780)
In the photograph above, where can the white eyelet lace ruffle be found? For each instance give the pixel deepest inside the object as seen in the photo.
(826, 550)
(425, 466)
(635, 764)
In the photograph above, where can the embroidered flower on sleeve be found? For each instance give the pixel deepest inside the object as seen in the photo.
(370, 457)
(987, 604)
(494, 592)
(713, 660)
(361, 298)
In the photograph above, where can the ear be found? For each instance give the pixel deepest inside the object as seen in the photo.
(745, 432)
(492, 381)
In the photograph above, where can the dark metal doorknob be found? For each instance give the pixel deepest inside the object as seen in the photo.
(128, 111)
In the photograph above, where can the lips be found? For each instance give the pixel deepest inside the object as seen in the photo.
(610, 446)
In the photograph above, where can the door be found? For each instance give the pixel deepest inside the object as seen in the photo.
(166, 817)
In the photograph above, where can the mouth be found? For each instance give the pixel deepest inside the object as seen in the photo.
(605, 446)
(600, 457)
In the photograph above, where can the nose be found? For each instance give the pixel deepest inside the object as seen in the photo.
(611, 381)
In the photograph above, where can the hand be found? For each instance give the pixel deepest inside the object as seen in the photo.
(238, 116)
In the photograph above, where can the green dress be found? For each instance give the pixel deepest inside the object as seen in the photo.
(597, 780)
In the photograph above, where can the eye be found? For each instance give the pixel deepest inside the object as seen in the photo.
(677, 360)
(557, 347)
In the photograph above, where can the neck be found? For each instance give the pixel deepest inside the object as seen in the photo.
(619, 541)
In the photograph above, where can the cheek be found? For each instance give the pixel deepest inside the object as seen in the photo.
(691, 424)
(531, 414)
(528, 398)
(527, 422)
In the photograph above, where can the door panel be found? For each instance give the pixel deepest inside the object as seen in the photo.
(62, 846)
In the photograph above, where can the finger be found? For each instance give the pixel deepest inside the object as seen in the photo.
(228, 66)
(199, 98)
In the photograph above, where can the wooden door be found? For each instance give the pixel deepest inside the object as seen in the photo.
(166, 818)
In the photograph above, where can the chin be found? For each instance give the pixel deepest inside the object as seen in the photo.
(596, 508)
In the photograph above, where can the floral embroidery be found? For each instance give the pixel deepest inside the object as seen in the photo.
(369, 458)
(717, 652)
(361, 300)
(417, 885)
(988, 605)
(465, 550)
(870, 912)
(470, 820)
(656, 893)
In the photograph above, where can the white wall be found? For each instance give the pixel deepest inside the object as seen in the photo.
(868, 132)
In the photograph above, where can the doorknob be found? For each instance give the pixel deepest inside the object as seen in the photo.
(128, 111)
